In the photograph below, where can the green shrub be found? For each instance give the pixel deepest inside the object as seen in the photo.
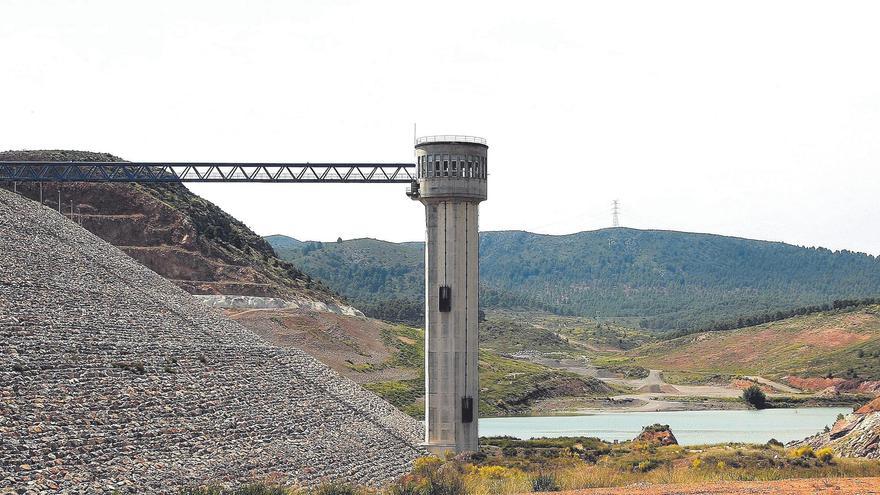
(825, 455)
(430, 476)
(545, 483)
(509, 451)
(647, 465)
(804, 452)
(755, 397)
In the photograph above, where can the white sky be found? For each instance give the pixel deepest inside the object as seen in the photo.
(755, 119)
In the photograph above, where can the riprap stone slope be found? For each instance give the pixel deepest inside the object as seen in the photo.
(113, 378)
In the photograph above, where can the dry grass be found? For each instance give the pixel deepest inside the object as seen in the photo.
(592, 464)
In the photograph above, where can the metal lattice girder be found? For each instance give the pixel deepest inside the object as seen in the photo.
(206, 172)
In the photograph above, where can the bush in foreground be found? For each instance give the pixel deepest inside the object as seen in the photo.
(825, 455)
(545, 483)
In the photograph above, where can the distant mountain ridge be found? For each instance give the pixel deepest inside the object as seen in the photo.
(663, 279)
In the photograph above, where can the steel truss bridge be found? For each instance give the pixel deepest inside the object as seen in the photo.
(372, 173)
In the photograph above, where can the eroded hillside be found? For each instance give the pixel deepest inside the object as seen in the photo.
(388, 359)
(814, 351)
(174, 232)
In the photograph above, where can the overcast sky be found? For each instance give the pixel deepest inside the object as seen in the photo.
(753, 119)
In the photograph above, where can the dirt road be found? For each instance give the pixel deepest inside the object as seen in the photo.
(832, 486)
(651, 393)
(778, 386)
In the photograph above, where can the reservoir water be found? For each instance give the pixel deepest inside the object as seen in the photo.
(689, 427)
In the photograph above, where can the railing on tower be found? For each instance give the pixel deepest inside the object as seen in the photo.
(450, 138)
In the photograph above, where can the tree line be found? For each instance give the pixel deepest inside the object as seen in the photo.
(750, 321)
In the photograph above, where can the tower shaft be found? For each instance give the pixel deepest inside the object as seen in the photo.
(451, 339)
(452, 183)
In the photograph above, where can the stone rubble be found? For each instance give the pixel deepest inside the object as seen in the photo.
(257, 302)
(854, 435)
(113, 379)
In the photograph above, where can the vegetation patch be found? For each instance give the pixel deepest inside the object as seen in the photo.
(677, 377)
(508, 335)
(406, 395)
(409, 343)
(755, 397)
(510, 386)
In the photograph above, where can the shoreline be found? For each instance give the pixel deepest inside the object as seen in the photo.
(567, 406)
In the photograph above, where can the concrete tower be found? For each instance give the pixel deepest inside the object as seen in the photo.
(451, 183)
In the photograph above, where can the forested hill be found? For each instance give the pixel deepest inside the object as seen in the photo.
(383, 279)
(668, 280)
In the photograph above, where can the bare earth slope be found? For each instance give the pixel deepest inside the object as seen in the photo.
(843, 343)
(174, 232)
(113, 378)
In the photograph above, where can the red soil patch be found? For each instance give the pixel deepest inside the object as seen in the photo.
(832, 338)
(870, 407)
(836, 384)
(831, 486)
(814, 383)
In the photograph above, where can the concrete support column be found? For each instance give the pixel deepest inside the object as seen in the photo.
(452, 183)
(451, 340)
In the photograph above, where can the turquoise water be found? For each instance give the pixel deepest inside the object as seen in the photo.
(689, 427)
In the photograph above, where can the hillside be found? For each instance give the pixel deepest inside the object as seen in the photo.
(659, 279)
(389, 359)
(176, 233)
(855, 435)
(832, 346)
(384, 279)
(114, 380)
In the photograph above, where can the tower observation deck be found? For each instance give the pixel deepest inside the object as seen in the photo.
(451, 183)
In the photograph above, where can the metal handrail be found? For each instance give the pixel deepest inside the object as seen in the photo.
(450, 138)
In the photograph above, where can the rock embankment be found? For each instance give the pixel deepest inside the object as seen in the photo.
(856, 435)
(657, 434)
(114, 379)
